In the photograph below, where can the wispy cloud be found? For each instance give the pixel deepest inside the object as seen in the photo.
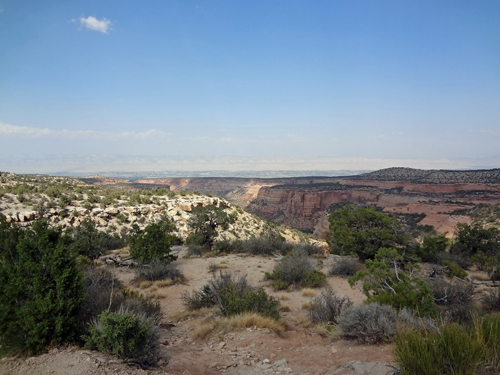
(93, 23)
(32, 132)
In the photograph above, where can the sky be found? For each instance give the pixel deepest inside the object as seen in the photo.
(261, 84)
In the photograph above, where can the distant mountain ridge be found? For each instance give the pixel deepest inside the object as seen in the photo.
(434, 176)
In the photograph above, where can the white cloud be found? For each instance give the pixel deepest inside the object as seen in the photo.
(31, 132)
(93, 23)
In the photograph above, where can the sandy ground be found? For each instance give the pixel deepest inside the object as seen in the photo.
(248, 351)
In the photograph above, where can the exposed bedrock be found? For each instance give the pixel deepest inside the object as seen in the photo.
(303, 202)
(306, 208)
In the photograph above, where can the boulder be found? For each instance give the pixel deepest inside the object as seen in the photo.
(133, 210)
(112, 211)
(187, 207)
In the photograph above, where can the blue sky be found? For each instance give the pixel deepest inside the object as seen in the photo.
(340, 83)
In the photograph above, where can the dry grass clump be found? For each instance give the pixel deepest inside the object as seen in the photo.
(163, 283)
(178, 316)
(305, 321)
(327, 331)
(283, 297)
(246, 320)
(212, 267)
(153, 289)
(145, 284)
(307, 292)
(306, 305)
(158, 295)
(240, 321)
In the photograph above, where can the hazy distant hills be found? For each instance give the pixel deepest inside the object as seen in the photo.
(433, 176)
(221, 173)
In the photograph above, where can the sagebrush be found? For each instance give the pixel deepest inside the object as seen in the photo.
(327, 307)
(369, 323)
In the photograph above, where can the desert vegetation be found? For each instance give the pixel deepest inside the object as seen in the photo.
(424, 293)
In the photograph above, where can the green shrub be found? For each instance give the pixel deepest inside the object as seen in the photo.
(345, 267)
(407, 319)
(386, 281)
(204, 222)
(64, 201)
(453, 350)
(138, 304)
(296, 270)
(472, 239)
(121, 217)
(369, 323)
(196, 250)
(326, 307)
(157, 270)
(152, 243)
(233, 296)
(308, 247)
(227, 246)
(431, 246)
(91, 242)
(266, 244)
(53, 192)
(42, 289)
(489, 328)
(453, 270)
(234, 301)
(125, 335)
(454, 299)
(491, 302)
(99, 285)
(88, 206)
(362, 231)
(199, 299)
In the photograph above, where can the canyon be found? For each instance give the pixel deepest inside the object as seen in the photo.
(442, 197)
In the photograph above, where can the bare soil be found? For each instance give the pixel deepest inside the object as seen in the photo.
(250, 351)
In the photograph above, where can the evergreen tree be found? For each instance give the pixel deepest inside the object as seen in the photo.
(42, 289)
(152, 242)
(362, 231)
(204, 222)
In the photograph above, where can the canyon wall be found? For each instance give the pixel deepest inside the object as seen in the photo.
(306, 206)
(305, 202)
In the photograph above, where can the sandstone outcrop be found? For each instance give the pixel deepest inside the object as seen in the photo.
(305, 206)
(303, 202)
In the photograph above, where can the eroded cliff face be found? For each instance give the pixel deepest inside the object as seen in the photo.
(304, 202)
(306, 208)
(240, 191)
